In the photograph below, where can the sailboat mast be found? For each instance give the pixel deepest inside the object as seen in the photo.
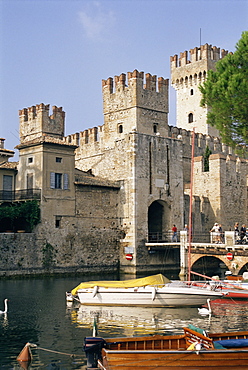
(191, 202)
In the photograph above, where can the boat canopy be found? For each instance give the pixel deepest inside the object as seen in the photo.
(156, 280)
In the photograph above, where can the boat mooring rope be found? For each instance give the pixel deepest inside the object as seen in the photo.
(50, 350)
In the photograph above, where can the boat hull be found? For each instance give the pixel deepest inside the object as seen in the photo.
(202, 360)
(167, 296)
(191, 350)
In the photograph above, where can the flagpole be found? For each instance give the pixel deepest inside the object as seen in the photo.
(191, 202)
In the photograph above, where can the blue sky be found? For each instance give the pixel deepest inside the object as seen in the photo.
(58, 51)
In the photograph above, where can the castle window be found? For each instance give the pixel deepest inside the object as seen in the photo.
(30, 160)
(155, 128)
(191, 92)
(120, 129)
(59, 181)
(190, 118)
(56, 180)
(58, 159)
(30, 181)
(57, 221)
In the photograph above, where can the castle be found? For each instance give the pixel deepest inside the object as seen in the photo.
(106, 191)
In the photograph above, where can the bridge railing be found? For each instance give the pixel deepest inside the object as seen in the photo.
(162, 237)
(167, 237)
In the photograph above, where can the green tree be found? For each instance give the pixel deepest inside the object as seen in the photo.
(206, 156)
(225, 91)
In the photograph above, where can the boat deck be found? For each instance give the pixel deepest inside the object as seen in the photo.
(174, 352)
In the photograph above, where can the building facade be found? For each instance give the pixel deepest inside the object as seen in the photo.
(105, 192)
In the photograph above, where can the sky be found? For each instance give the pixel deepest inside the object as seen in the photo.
(58, 51)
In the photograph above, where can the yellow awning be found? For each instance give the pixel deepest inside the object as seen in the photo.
(156, 280)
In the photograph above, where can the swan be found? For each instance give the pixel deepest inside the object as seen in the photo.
(5, 306)
(205, 311)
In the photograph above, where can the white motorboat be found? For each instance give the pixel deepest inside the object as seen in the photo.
(152, 291)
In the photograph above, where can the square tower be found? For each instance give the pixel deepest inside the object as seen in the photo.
(135, 106)
(186, 76)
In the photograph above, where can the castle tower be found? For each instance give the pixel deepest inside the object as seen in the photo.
(136, 106)
(35, 122)
(47, 160)
(133, 147)
(186, 76)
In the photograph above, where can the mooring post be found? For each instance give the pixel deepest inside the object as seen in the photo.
(183, 244)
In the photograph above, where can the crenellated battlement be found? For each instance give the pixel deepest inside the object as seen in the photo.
(188, 71)
(40, 110)
(226, 162)
(135, 79)
(128, 96)
(205, 52)
(201, 141)
(36, 121)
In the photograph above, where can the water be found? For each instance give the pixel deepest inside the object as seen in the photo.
(38, 314)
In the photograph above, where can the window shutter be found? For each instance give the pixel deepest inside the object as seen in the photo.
(66, 181)
(52, 180)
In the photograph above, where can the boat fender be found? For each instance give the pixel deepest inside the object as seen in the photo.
(196, 346)
(95, 290)
(154, 291)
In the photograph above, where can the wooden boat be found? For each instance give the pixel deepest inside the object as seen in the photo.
(152, 291)
(192, 350)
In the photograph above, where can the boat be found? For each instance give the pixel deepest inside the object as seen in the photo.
(235, 287)
(194, 349)
(151, 291)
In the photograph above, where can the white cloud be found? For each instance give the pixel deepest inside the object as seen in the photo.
(96, 22)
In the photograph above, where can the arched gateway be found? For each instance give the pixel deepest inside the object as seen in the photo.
(158, 220)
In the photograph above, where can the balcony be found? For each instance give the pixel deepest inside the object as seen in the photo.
(20, 195)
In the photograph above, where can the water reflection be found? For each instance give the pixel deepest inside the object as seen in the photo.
(38, 314)
(134, 321)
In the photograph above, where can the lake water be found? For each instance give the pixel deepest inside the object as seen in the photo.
(38, 314)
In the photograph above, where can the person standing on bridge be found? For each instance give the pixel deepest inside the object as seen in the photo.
(236, 230)
(174, 234)
(242, 232)
(216, 233)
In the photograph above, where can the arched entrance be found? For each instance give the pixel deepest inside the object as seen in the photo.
(209, 266)
(158, 220)
(217, 265)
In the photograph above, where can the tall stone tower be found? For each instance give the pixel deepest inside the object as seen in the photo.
(186, 76)
(133, 147)
(135, 106)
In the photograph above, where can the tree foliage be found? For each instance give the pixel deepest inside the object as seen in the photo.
(28, 211)
(225, 91)
(206, 156)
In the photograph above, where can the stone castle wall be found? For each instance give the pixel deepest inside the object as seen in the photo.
(86, 242)
(225, 187)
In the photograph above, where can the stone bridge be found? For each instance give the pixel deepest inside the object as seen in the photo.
(234, 256)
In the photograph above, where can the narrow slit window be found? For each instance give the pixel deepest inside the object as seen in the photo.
(190, 118)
